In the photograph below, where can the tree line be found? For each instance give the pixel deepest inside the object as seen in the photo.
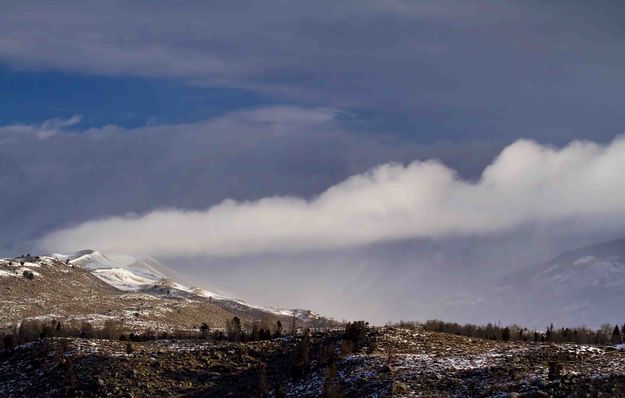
(234, 330)
(606, 334)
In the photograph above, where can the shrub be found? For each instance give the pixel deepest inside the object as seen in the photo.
(29, 330)
(86, 331)
(358, 333)
(111, 330)
(204, 331)
(555, 370)
(347, 347)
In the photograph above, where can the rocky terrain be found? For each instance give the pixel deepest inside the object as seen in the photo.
(402, 362)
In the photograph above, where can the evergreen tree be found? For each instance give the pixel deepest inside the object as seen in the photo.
(616, 336)
(549, 333)
(255, 332)
(234, 329)
(278, 332)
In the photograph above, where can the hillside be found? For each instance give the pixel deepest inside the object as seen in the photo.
(89, 286)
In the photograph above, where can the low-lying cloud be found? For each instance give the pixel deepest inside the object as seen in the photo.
(527, 183)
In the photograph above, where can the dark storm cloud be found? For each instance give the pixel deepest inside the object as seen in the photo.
(453, 69)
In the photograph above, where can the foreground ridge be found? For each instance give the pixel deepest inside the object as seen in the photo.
(376, 362)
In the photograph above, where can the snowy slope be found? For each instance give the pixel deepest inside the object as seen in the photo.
(124, 272)
(125, 279)
(88, 259)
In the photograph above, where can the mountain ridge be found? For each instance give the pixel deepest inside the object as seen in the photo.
(581, 286)
(87, 285)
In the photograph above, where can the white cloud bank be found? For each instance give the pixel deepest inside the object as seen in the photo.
(526, 183)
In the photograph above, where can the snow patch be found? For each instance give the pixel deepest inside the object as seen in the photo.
(6, 274)
(584, 260)
(124, 279)
(20, 271)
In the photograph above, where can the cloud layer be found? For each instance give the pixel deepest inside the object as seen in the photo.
(526, 183)
(446, 66)
(54, 174)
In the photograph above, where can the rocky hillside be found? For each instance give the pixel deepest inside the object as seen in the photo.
(395, 362)
(88, 286)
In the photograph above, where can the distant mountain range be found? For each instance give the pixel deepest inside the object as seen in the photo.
(585, 286)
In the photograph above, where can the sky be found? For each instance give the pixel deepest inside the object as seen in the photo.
(351, 157)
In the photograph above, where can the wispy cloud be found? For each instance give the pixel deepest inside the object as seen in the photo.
(43, 130)
(526, 183)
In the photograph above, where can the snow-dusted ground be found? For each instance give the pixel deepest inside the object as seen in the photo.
(416, 363)
(405, 362)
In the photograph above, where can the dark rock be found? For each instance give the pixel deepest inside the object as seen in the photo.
(386, 368)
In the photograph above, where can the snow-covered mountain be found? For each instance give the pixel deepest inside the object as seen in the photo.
(598, 266)
(127, 273)
(142, 294)
(585, 286)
